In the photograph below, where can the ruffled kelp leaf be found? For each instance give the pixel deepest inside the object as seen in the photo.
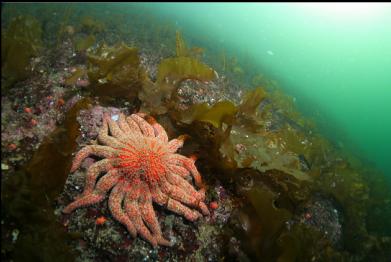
(210, 141)
(115, 71)
(84, 43)
(107, 58)
(175, 70)
(158, 97)
(72, 79)
(238, 71)
(284, 103)
(21, 41)
(197, 52)
(227, 149)
(248, 109)
(258, 79)
(27, 197)
(265, 220)
(303, 242)
(154, 96)
(350, 189)
(91, 25)
(181, 48)
(270, 216)
(65, 29)
(221, 112)
(251, 101)
(265, 153)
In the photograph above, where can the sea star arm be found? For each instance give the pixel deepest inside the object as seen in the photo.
(177, 207)
(149, 216)
(84, 201)
(145, 128)
(141, 114)
(123, 125)
(114, 129)
(179, 194)
(133, 125)
(204, 209)
(103, 186)
(104, 138)
(178, 170)
(115, 200)
(160, 133)
(176, 143)
(107, 181)
(97, 150)
(93, 172)
(157, 195)
(186, 186)
(173, 205)
(188, 163)
(132, 209)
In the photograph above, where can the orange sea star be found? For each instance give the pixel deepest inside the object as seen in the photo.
(141, 167)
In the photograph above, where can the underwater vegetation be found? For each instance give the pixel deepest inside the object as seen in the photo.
(36, 184)
(91, 25)
(171, 72)
(114, 71)
(276, 189)
(21, 41)
(221, 112)
(83, 44)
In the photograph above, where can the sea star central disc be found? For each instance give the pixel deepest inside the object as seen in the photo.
(141, 167)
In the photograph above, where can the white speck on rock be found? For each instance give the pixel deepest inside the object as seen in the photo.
(4, 166)
(115, 117)
(15, 234)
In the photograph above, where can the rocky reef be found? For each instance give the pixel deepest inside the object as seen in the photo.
(277, 190)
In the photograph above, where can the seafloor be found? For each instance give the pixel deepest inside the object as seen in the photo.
(277, 189)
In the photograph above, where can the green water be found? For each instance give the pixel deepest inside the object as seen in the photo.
(334, 59)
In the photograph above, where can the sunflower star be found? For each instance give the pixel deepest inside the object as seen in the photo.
(141, 167)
